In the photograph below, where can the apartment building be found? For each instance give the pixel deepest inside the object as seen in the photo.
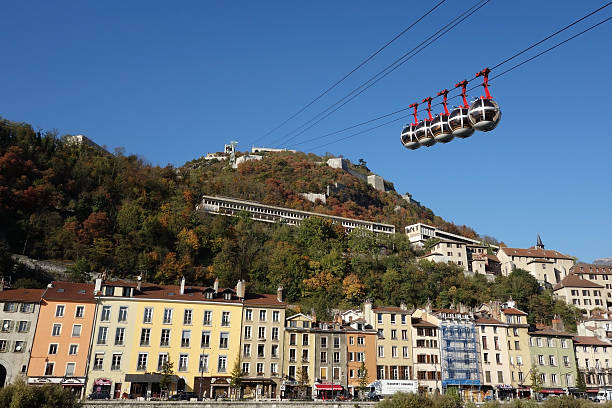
(600, 274)
(599, 325)
(361, 352)
(18, 316)
(330, 359)
(547, 266)
(493, 337)
(60, 348)
(582, 293)
(426, 352)
(298, 355)
(393, 353)
(466, 256)
(263, 320)
(594, 360)
(552, 355)
(419, 233)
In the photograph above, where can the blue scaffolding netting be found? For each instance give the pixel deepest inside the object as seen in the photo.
(460, 355)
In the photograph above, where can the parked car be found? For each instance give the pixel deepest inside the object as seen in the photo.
(183, 396)
(99, 395)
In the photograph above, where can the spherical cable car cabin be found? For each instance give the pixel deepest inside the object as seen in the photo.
(423, 130)
(440, 129)
(484, 112)
(459, 120)
(408, 137)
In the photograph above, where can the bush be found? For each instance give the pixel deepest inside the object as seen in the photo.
(403, 400)
(20, 395)
(566, 401)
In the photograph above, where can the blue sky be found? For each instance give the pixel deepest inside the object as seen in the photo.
(172, 81)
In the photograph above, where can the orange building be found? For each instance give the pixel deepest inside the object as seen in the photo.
(361, 348)
(63, 333)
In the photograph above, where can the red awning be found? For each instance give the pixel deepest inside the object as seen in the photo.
(592, 390)
(329, 387)
(102, 381)
(553, 391)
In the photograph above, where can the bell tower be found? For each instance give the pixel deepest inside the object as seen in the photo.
(539, 244)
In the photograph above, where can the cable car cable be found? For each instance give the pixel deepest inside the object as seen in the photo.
(386, 71)
(476, 86)
(492, 78)
(361, 64)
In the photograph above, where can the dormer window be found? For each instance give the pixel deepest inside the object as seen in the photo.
(208, 293)
(109, 291)
(227, 296)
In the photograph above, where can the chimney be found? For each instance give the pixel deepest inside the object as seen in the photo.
(2, 284)
(280, 293)
(367, 311)
(98, 286)
(240, 289)
(403, 306)
(511, 303)
(216, 285)
(557, 324)
(139, 285)
(183, 285)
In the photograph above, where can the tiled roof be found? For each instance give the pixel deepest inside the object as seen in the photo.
(573, 281)
(590, 341)
(534, 253)
(549, 331)
(263, 300)
(488, 320)
(493, 257)
(452, 311)
(592, 269)
(513, 311)
(69, 291)
(391, 309)
(173, 292)
(418, 322)
(21, 295)
(122, 283)
(540, 260)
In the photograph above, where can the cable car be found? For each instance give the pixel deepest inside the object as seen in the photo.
(440, 129)
(484, 113)
(459, 120)
(423, 130)
(408, 137)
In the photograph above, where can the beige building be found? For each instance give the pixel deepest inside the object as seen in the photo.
(599, 325)
(393, 345)
(547, 266)
(594, 359)
(600, 274)
(493, 338)
(18, 316)
(581, 293)
(426, 353)
(299, 354)
(262, 344)
(465, 255)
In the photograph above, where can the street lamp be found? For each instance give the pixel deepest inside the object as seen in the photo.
(201, 379)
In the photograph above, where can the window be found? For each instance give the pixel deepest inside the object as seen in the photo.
(323, 342)
(148, 315)
(98, 361)
(225, 319)
(324, 373)
(145, 336)
(540, 359)
(141, 365)
(336, 357)
(381, 351)
(183, 362)
(205, 339)
(76, 330)
(70, 369)
(186, 338)
(49, 368)
(305, 339)
(105, 315)
(566, 362)
(260, 369)
(498, 358)
(10, 307)
(539, 341)
(392, 318)
(274, 351)
(405, 352)
(336, 342)
(3, 346)
(404, 334)
(123, 312)
(224, 340)
(292, 355)
(102, 334)
(360, 340)
(553, 379)
(292, 339)
(187, 315)
(246, 350)
(28, 308)
(273, 369)
(246, 367)
(203, 366)
(167, 316)
(52, 348)
(568, 380)
(73, 349)
(276, 317)
(222, 364)
(485, 357)
(324, 357)
(403, 319)
(116, 362)
(262, 315)
(379, 317)
(394, 351)
(393, 334)
(261, 350)
(247, 332)
(248, 315)
(23, 327)
(484, 343)
(551, 360)
(564, 343)
(500, 377)
(261, 333)
(519, 360)
(164, 340)
(59, 310)
(275, 333)
(517, 345)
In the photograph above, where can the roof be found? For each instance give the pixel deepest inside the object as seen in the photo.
(488, 320)
(549, 331)
(69, 291)
(573, 281)
(513, 311)
(173, 292)
(391, 309)
(120, 283)
(493, 257)
(590, 341)
(257, 299)
(534, 253)
(594, 269)
(418, 322)
(540, 260)
(21, 295)
(298, 315)
(452, 311)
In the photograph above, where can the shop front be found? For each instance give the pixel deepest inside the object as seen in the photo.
(103, 385)
(212, 387)
(327, 391)
(505, 391)
(260, 388)
(523, 391)
(147, 386)
(74, 384)
(553, 391)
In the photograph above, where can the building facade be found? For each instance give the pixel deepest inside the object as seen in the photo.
(298, 356)
(19, 310)
(582, 293)
(361, 353)
(494, 357)
(330, 359)
(60, 349)
(594, 360)
(426, 352)
(599, 274)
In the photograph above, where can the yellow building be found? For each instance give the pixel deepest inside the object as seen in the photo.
(299, 354)
(197, 329)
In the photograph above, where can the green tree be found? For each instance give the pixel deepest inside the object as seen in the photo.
(20, 395)
(364, 379)
(303, 382)
(167, 372)
(536, 381)
(580, 383)
(236, 377)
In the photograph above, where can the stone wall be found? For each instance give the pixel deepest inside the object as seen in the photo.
(225, 404)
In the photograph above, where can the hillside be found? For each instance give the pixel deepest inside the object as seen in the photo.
(118, 214)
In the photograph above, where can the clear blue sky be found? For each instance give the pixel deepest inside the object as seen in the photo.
(171, 81)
